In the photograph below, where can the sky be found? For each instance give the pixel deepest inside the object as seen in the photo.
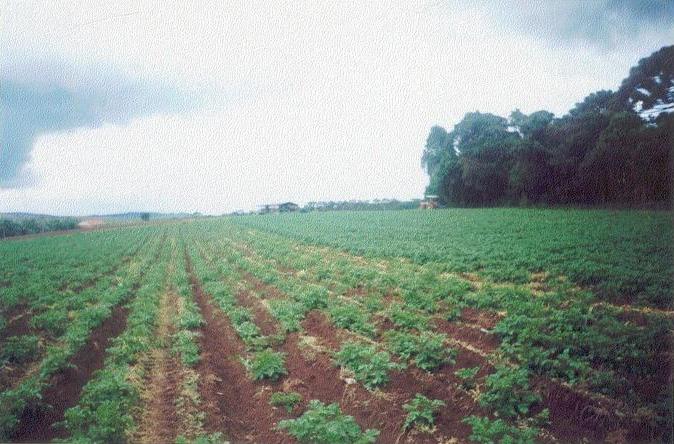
(212, 106)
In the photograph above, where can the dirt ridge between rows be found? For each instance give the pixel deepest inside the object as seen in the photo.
(233, 403)
(159, 421)
(312, 373)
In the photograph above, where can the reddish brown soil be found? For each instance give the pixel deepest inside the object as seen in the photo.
(573, 415)
(573, 418)
(384, 412)
(232, 401)
(313, 374)
(262, 318)
(483, 318)
(63, 392)
(269, 292)
(17, 323)
(357, 292)
(317, 324)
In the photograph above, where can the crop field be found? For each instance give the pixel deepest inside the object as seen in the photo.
(444, 326)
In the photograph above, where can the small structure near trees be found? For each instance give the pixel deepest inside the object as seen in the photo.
(430, 202)
(285, 207)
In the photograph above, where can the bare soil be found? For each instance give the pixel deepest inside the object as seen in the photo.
(265, 322)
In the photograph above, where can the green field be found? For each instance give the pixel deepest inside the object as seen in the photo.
(497, 325)
(626, 256)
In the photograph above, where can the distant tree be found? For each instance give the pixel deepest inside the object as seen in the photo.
(145, 216)
(10, 228)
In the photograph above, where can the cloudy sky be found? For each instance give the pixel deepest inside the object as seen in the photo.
(113, 106)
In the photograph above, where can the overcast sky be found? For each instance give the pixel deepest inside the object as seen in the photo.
(113, 106)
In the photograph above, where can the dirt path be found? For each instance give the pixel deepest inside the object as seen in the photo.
(234, 404)
(159, 422)
(64, 390)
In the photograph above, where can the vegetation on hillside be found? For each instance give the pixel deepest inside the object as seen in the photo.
(9, 227)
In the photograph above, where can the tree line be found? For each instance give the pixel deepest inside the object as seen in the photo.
(9, 227)
(605, 151)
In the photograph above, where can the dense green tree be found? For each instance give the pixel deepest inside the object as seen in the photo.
(602, 152)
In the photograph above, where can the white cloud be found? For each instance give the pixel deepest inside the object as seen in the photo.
(333, 100)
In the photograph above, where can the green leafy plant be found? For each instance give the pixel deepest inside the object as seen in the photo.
(314, 298)
(351, 317)
(405, 317)
(421, 410)
(369, 366)
(19, 349)
(213, 438)
(508, 393)
(184, 343)
(427, 350)
(53, 321)
(467, 377)
(103, 413)
(267, 364)
(327, 424)
(290, 314)
(487, 431)
(288, 400)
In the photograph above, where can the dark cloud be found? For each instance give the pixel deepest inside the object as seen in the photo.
(39, 98)
(602, 23)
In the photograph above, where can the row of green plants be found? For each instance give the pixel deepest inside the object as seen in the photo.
(561, 333)
(368, 365)
(411, 340)
(427, 350)
(49, 313)
(185, 340)
(326, 423)
(261, 360)
(105, 412)
(84, 315)
(623, 255)
(35, 273)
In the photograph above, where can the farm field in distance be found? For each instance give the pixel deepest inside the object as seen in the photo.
(457, 325)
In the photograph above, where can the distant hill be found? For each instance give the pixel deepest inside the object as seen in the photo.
(24, 216)
(135, 215)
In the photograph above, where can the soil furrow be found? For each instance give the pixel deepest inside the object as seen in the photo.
(37, 424)
(234, 404)
(384, 406)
